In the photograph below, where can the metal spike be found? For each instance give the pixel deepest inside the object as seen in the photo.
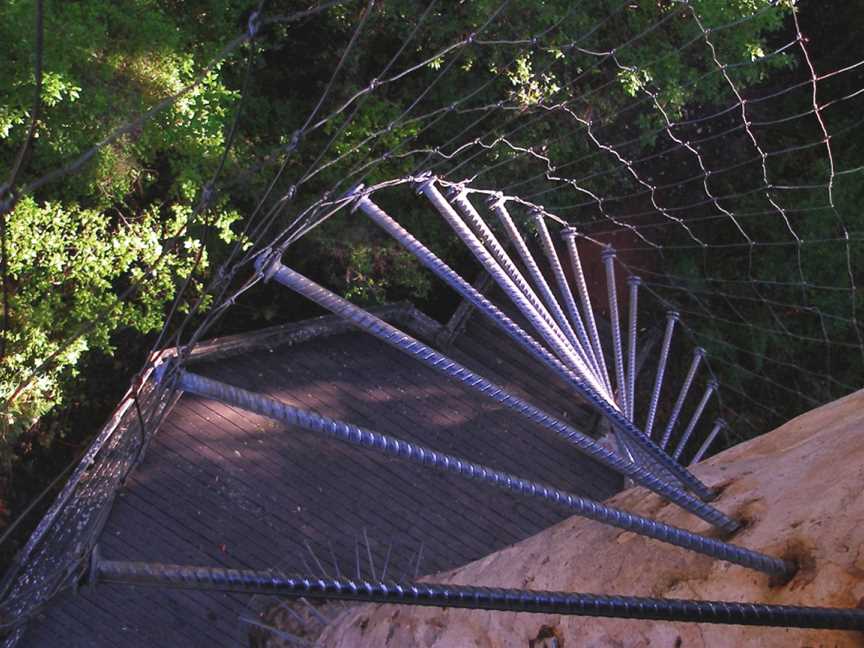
(386, 561)
(698, 354)
(357, 559)
(719, 424)
(315, 558)
(671, 319)
(315, 611)
(419, 558)
(369, 554)
(634, 283)
(333, 558)
(694, 420)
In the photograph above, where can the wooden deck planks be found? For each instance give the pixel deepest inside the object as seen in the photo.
(385, 423)
(223, 486)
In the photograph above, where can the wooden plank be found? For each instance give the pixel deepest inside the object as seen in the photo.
(234, 525)
(493, 418)
(234, 533)
(246, 475)
(294, 443)
(465, 489)
(466, 442)
(541, 455)
(534, 381)
(60, 622)
(213, 609)
(409, 425)
(134, 546)
(209, 610)
(344, 490)
(288, 533)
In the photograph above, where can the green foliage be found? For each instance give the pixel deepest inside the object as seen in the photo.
(106, 62)
(371, 133)
(128, 56)
(530, 88)
(67, 266)
(374, 273)
(539, 88)
(124, 221)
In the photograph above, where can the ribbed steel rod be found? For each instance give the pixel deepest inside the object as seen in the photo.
(498, 208)
(487, 236)
(698, 354)
(671, 319)
(694, 420)
(439, 362)
(719, 424)
(608, 257)
(570, 355)
(399, 448)
(393, 336)
(633, 283)
(444, 272)
(277, 583)
(568, 235)
(563, 286)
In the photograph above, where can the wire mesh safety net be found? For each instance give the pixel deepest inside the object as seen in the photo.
(705, 148)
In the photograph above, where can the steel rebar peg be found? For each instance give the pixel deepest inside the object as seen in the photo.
(268, 266)
(554, 337)
(429, 458)
(671, 318)
(719, 424)
(441, 363)
(496, 204)
(273, 582)
(633, 283)
(597, 399)
(568, 235)
(460, 199)
(608, 257)
(563, 286)
(698, 354)
(694, 420)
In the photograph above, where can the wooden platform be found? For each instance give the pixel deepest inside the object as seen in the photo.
(220, 486)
